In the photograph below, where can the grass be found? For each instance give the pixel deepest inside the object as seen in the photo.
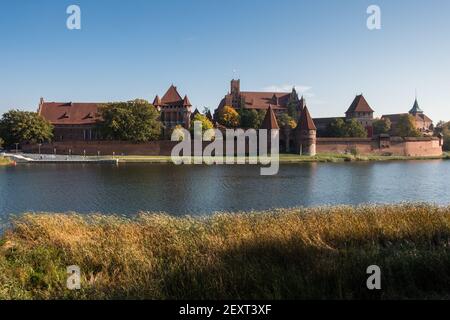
(293, 158)
(300, 253)
(4, 161)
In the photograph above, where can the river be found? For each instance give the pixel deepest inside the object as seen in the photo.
(179, 190)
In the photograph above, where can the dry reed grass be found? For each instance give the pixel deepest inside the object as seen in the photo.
(280, 254)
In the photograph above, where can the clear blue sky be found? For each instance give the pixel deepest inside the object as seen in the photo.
(136, 49)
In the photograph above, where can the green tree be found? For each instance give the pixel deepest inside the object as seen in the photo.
(381, 126)
(444, 129)
(24, 127)
(336, 128)
(406, 126)
(285, 120)
(228, 117)
(346, 129)
(250, 118)
(292, 105)
(206, 123)
(355, 129)
(440, 127)
(1, 143)
(136, 121)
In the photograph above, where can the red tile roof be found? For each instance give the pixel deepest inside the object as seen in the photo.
(262, 100)
(270, 120)
(306, 122)
(171, 96)
(396, 117)
(68, 113)
(359, 105)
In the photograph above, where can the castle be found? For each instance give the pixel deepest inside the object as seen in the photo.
(76, 123)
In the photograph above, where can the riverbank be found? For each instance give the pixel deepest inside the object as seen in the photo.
(292, 158)
(281, 254)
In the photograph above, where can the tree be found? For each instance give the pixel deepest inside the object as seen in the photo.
(346, 129)
(336, 128)
(228, 117)
(406, 126)
(444, 129)
(440, 127)
(292, 105)
(381, 126)
(206, 123)
(24, 127)
(250, 118)
(284, 120)
(136, 121)
(1, 143)
(355, 129)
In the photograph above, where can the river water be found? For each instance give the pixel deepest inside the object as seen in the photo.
(179, 190)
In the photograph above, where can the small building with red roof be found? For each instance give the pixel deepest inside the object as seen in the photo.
(71, 120)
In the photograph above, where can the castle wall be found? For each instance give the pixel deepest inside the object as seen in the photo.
(425, 146)
(345, 145)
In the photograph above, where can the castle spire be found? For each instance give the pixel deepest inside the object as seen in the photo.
(415, 109)
(270, 120)
(306, 121)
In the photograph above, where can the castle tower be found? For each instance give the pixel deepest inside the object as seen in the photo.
(306, 134)
(236, 94)
(270, 124)
(235, 87)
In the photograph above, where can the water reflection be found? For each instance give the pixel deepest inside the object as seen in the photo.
(179, 190)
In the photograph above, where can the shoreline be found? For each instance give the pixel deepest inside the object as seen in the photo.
(283, 159)
(295, 159)
(275, 254)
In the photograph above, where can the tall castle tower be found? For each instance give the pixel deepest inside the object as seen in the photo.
(236, 93)
(306, 134)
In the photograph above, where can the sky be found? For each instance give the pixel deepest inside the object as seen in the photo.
(138, 48)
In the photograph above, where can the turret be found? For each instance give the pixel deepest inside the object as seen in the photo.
(306, 134)
(186, 102)
(270, 120)
(157, 103)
